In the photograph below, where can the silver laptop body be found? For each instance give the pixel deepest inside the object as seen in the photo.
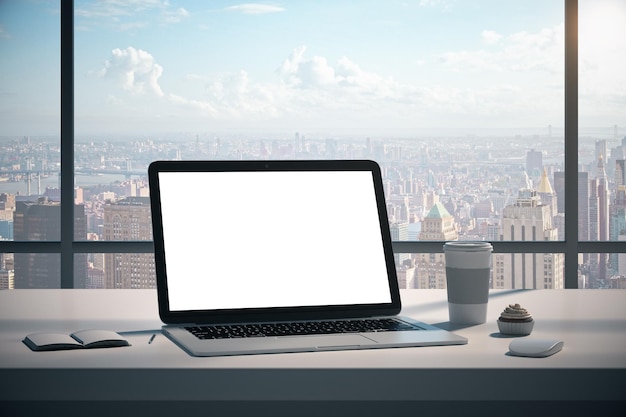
(243, 245)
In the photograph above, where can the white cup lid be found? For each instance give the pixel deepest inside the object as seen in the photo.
(467, 246)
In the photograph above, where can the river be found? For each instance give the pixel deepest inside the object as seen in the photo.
(21, 187)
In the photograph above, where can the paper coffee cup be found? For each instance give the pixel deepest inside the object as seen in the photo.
(468, 270)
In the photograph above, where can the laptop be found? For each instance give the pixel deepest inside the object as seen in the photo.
(277, 256)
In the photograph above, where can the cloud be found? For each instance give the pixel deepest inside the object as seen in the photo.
(175, 16)
(305, 73)
(471, 60)
(125, 27)
(312, 90)
(490, 37)
(316, 72)
(120, 14)
(537, 51)
(233, 95)
(204, 107)
(255, 8)
(521, 51)
(135, 70)
(115, 8)
(229, 96)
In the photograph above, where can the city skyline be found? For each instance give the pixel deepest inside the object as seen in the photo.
(150, 67)
(479, 189)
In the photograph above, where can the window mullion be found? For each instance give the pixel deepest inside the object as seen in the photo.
(67, 143)
(571, 143)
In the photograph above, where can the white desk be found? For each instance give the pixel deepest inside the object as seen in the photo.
(590, 368)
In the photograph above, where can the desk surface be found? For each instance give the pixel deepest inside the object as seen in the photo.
(591, 322)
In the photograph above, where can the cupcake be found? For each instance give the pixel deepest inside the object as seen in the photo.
(515, 320)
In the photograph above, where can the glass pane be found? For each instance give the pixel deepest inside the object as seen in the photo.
(602, 119)
(602, 270)
(119, 270)
(509, 271)
(30, 270)
(421, 270)
(602, 137)
(528, 271)
(38, 270)
(463, 122)
(7, 271)
(29, 120)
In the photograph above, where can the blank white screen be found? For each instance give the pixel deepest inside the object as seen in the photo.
(271, 239)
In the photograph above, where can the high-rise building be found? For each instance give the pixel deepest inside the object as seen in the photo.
(534, 163)
(438, 225)
(7, 271)
(592, 260)
(559, 189)
(6, 229)
(406, 275)
(620, 173)
(7, 206)
(398, 208)
(546, 194)
(400, 232)
(558, 222)
(594, 230)
(528, 220)
(603, 219)
(128, 219)
(41, 221)
(617, 229)
(616, 153)
(583, 206)
(601, 153)
(621, 262)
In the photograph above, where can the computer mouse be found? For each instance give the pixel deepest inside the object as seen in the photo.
(535, 348)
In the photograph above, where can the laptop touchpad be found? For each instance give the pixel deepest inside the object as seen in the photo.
(339, 341)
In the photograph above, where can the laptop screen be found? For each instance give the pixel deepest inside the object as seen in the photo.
(262, 239)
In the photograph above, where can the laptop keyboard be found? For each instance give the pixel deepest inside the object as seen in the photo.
(299, 328)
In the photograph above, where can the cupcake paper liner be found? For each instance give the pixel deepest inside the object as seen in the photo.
(520, 329)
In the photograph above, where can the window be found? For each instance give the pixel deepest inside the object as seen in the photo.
(472, 120)
(29, 144)
(602, 142)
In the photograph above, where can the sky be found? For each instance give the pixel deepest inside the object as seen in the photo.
(166, 66)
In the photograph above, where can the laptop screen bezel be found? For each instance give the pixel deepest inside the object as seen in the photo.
(272, 313)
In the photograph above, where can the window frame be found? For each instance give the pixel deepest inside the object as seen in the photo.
(67, 247)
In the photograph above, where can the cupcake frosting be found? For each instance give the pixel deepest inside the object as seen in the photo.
(515, 312)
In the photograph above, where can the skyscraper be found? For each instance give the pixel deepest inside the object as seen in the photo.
(583, 206)
(601, 152)
(41, 221)
(400, 232)
(603, 219)
(528, 220)
(617, 229)
(534, 163)
(592, 260)
(620, 173)
(546, 194)
(7, 271)
(559, 189)
(128, 219)
(431, 267)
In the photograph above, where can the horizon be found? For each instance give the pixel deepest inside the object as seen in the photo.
(608, 133)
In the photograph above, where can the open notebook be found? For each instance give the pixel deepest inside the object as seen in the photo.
(277, 256)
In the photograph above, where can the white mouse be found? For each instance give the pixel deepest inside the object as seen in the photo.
(535, 348)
